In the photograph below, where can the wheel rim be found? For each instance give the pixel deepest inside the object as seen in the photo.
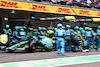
(33, 47)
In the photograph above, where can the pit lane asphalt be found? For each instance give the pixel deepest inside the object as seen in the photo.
(6, 57)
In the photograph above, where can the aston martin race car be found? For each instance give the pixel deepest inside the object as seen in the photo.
(42, 43)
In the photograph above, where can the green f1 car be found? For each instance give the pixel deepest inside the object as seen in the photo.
(43, 44)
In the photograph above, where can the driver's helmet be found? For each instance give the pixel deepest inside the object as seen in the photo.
(50, 32)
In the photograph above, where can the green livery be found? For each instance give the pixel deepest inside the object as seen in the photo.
(18, 44)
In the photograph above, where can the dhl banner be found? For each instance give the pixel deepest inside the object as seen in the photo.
(17, 5)
(34, 7)
(62, 10)
(83, 12)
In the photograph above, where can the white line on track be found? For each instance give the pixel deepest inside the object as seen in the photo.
(73, 63)
(61, 58)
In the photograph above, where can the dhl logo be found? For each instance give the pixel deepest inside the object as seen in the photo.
(9, 4)
(98, 14)
(63, 10)
(39, 7)
(84, 12)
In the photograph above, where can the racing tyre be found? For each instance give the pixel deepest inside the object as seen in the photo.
(33, 47)
(74, 39)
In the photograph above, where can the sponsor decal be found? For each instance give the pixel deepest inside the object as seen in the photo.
(39, 7)
(84, 12)
(98, 14)
(63, 10)
(9, 4)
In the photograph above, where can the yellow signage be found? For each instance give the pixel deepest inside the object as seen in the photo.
(17, 5)
(62, 10)
(34, 7)
(84, 12)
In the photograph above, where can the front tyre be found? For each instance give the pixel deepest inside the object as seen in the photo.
(32, 47)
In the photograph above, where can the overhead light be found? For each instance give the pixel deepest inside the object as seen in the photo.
(12, 11)
(5, 18)
(96, 19)
(85, 23)
(70, 17)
